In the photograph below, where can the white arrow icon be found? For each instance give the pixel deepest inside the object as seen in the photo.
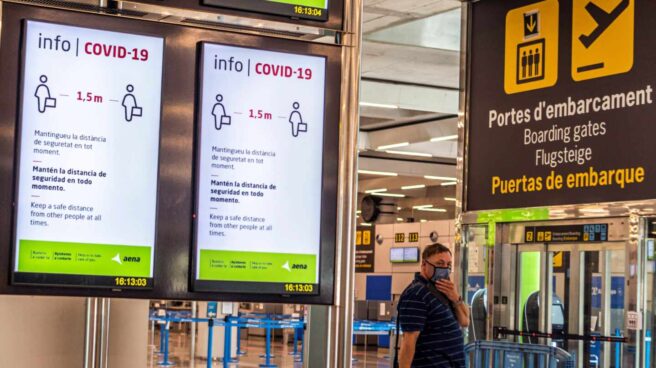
(286, 266)
(117, 258)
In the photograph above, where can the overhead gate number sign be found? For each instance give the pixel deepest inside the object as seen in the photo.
(566, 234)
(561, 103)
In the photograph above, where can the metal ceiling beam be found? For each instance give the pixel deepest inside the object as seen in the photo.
(405, 168)
(411, 97)
(415, 133)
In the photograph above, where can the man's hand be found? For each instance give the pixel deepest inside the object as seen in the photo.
(449, 289)
(461, 309)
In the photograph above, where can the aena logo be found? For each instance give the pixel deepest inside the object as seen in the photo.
(299, 266)
(118, 259)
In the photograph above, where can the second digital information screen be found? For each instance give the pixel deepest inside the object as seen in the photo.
(259, 173)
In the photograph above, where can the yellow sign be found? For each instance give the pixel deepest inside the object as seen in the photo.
(540, 236)
(531, 55)
(529, 236)
(366, 237)
(547, 236)
(558, 259)
(602, 38)
(358, 238)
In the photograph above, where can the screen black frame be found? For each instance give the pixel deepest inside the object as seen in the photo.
(267, 7)
(334, 22)
(247, 287)
(174, 251)
(71, 280)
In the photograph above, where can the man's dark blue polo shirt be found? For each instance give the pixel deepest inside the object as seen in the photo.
(440, 343)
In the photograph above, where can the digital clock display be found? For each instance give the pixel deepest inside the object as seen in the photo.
(131, 282)
(305, 9)
(299, 288)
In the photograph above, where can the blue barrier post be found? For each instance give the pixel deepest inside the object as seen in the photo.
(227, 341)
(618, 349)
(161, 339)
(648, 348)
(239, 351)
(165, 333)
(267, 356)
(302, 331)
(295, 351)
(210, 337)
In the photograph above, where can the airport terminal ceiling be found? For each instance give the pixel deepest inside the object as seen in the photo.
(408, 105)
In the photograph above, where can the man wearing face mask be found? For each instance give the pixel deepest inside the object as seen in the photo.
(431, 314)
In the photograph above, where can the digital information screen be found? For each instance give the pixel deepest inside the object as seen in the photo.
(404, 255)
(305, 9)
(88, 157)
(259, 171)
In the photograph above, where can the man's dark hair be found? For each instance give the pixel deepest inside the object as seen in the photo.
(433, 249)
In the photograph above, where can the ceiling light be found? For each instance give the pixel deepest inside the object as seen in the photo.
(399, 208)
(379, 194)
(365, 224)
(399, 219)
(375, 190)
(422, 206)
(395, 145)
(431, 209)
(423, 220)
(373, 104)
(381, 173)
(449, 199)
(443, 178)
(449, 183)
(593, 210)
(444, 138)
(409, 153)
(358, 212)
(409, 187)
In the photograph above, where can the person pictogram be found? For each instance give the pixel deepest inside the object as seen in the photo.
(221, 118)
(43, 97)
(296, 120)
(130, 105)
(530, 61)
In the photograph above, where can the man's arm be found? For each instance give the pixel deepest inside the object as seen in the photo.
(462, 313)
(461, 308)
(407, 351)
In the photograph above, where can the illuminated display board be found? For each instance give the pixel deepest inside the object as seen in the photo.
(259, 173)
(305, 9)
(88, 157)
(404, 255)
(98, 198)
